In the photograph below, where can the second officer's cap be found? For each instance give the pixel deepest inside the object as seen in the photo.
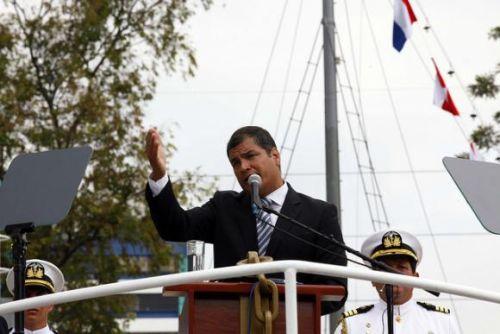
(392, 242)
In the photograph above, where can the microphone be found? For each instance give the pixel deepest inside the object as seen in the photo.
(255, 181)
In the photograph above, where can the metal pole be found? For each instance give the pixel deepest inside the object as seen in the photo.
(389, 296)
(291, 301)
(18, 234)
(331, 119)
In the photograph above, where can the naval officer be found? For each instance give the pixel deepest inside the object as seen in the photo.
(403, 252)
(41, 278)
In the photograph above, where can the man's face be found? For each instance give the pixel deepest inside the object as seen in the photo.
(248, 158)
(36, 318)
(402, 294)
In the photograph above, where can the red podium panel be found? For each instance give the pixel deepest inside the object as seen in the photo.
(215, 307)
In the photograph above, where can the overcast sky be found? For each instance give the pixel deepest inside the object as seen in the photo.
(233, 41)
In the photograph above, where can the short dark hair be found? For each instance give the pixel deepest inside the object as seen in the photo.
(261, 137)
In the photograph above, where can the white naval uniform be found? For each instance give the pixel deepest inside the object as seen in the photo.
(45, 330)
(409, 318)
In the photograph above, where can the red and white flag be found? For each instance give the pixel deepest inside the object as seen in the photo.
(473, 153)
(442, 97)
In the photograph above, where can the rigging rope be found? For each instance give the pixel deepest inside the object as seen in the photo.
(293, 119)
(264, 79)
(266, 71)
(406, 151)
(289, 65)
(375, 193)
(424, 64)
(428, 28)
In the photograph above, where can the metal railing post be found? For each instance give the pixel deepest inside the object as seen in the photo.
(291, 300)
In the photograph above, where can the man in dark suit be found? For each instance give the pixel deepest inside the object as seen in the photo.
(227, 219)
(4, 328)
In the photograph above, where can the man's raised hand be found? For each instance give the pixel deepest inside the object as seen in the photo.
(156, 154)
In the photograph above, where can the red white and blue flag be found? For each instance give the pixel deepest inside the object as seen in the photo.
(404, 17)
(442, 97)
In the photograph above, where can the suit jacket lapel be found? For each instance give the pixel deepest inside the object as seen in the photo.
(290, 208)
(248, 224)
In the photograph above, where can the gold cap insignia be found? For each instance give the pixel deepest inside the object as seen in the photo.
(391, 239)
(35, 270)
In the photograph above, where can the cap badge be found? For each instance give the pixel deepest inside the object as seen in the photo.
(35, 270)
(391, 239)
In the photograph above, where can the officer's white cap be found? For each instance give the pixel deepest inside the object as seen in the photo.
(39, 273)
(392, 242)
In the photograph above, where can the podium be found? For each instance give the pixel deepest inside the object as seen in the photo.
(214, 307)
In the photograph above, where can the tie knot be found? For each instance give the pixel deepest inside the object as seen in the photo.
(256, 210)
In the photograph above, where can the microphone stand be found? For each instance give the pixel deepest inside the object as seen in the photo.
(18, 234)
(331, 238)
(375, 263)
(389, 296)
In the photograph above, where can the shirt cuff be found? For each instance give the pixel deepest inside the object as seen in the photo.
(157, 186)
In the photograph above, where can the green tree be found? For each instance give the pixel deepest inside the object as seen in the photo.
(487, 136)
(80, 72)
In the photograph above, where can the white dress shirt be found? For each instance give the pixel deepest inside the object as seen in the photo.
(277, 199)
(158, 185)
(44, 330)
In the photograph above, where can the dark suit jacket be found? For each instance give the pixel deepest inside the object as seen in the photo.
(4, 329)
(227, 221)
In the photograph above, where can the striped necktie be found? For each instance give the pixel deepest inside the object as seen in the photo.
(264, 227)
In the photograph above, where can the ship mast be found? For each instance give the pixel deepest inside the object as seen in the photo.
(331, 117)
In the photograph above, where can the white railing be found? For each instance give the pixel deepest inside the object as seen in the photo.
(290, 268)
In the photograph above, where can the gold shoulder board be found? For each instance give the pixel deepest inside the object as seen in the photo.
(431, 307)
(359, 310)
